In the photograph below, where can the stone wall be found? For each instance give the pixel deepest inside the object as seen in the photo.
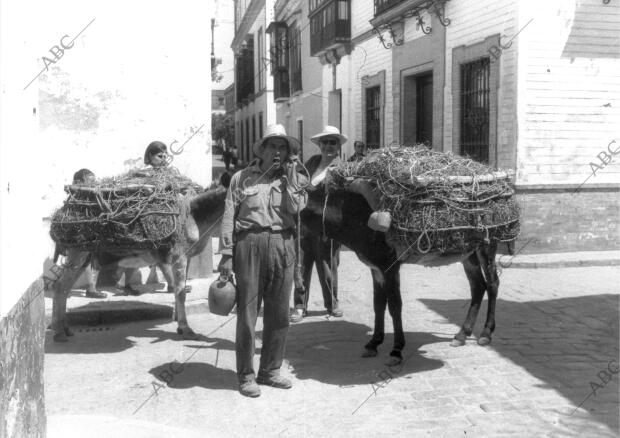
(22, 335)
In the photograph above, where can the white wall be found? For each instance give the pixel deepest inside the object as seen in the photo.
(570, 91)
(130, 78)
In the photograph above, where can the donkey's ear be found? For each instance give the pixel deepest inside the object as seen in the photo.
(225, 179)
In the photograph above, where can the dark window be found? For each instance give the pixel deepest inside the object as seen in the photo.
(300, 137)
(330, 24)
(373, 117)
(474, 141)
(279, 52)
(261, 75)
(424, 109)
(248, 145)
(295, 57)
(245, 72)
(260, 125)
(241, 136)
(253, 129)
(383, 5)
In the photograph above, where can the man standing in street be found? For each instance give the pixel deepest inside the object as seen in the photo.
(262, 206)
(360, 151)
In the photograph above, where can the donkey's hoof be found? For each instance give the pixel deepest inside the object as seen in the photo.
(189, 334)
(369, 352)
(179, 331)
(484, 340)
(457, 342)
(394, 361)
(61, 337)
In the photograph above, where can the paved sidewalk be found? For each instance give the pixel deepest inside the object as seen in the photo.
(560, 260)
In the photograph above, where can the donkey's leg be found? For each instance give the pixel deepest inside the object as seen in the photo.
(487, 262)
(70, 271)
(477, 285)
(395, 306)
(379, 303)
(175, 275)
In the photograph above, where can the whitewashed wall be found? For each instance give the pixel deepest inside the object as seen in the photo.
(569, 108)
(131, 78)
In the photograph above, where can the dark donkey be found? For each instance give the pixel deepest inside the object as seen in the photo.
(343, 216)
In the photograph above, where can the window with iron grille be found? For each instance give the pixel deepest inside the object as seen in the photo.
(260, 125)
(295, 57)
(373, 117)
(475, 91)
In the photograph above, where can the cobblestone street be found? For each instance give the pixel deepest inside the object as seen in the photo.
(555, 348)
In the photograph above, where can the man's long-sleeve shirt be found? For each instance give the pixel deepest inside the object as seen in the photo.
(256, 202)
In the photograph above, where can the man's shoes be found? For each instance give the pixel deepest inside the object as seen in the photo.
(275, 381)
(298, 315)
(335, 312)
(249, 388)
(95, 294)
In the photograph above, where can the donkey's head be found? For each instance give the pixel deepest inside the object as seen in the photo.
(207, 207)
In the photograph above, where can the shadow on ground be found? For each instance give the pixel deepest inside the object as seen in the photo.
(330, 352)
(113, 338)
(324, 351)
(563, 342)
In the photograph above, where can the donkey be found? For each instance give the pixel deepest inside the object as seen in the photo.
(343, 216)
(205, 212)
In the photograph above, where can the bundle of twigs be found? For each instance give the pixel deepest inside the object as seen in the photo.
(438, 201)
(142, 209)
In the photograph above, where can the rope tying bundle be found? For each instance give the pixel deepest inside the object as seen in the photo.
(141, 209)
(438, 201)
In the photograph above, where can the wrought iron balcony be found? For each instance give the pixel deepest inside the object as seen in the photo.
(330, 25)
(383, 5)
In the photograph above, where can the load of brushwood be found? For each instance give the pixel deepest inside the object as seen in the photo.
(438, 201)
(141, 209)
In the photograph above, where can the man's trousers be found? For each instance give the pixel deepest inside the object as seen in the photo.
(263, 264)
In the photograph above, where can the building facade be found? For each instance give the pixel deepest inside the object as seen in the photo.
(296, 75)
(521, 85)
(253, 84)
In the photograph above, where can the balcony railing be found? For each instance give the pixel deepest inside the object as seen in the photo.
(330, 25)
(383, 5)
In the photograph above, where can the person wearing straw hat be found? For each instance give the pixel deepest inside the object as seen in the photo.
(318, 249)
(257, 244)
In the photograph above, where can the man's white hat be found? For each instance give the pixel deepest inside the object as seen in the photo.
(331, 131)
(277, 131)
